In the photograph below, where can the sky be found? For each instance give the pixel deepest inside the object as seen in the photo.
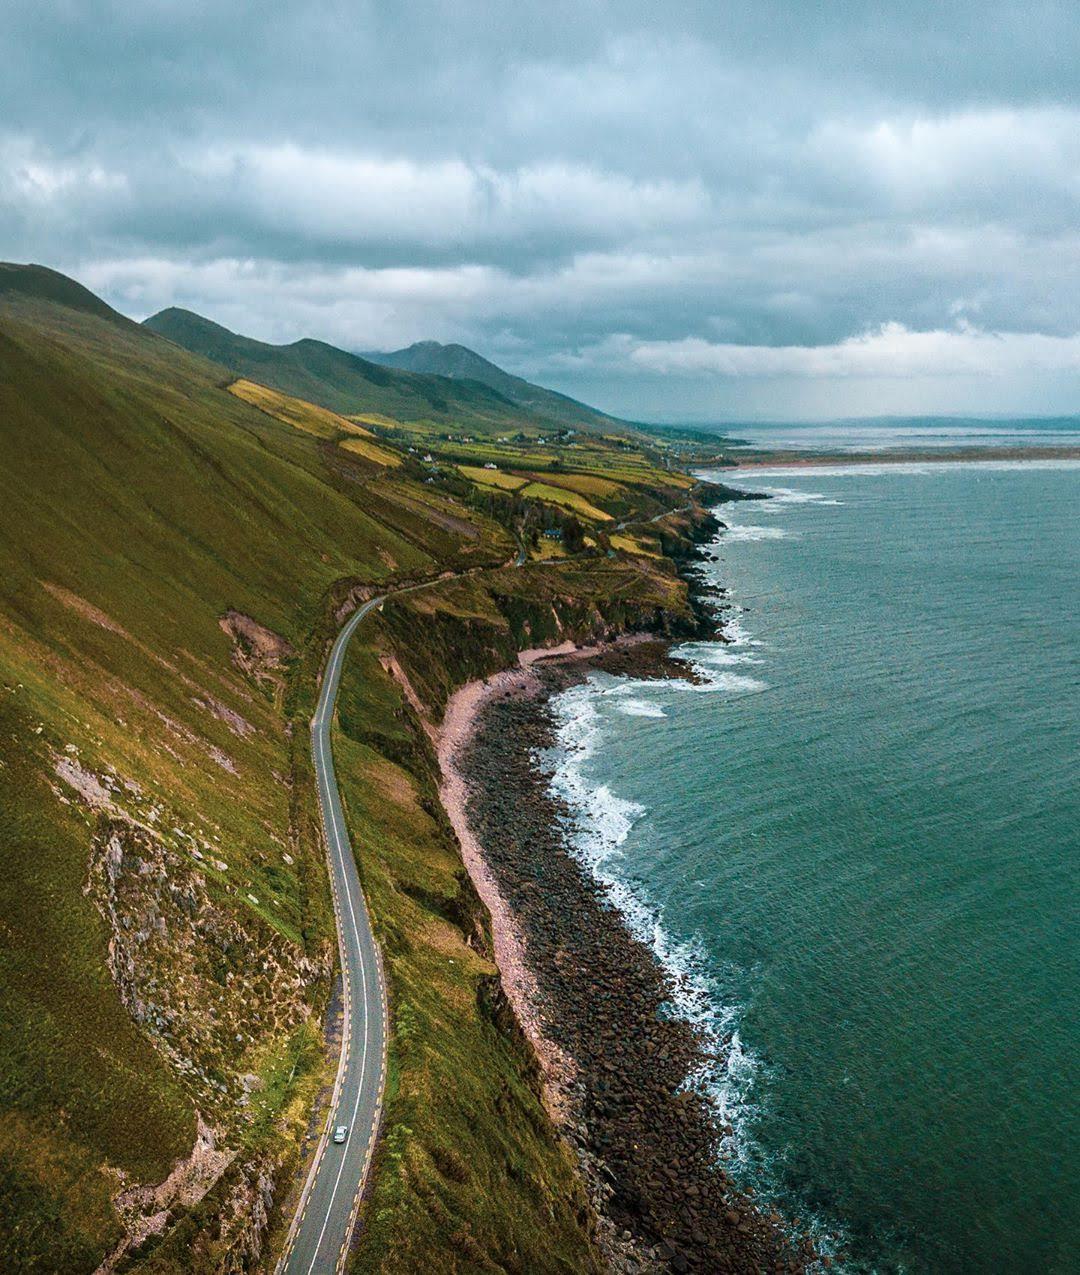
(682, 212)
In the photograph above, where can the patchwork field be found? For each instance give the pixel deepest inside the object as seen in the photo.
(493, 478)
(592, 485)
(572, 500)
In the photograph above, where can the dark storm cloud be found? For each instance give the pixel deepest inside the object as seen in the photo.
(699, 209)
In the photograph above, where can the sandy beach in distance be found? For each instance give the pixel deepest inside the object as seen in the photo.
(816, 460)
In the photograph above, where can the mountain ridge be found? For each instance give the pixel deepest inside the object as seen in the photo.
(456, 361)
(354, 385)
(41, 283)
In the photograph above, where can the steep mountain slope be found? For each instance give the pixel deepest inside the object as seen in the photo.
(460, 363)
(42, 284)
(170, 558)
(177, 547)
(174, 556)
(343, 382)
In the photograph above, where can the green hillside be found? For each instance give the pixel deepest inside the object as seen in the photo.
(344, 382)
(175, 553)
(460, 363)
(39, 283)
(149, 740)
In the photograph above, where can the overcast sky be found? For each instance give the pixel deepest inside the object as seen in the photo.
(697, 212)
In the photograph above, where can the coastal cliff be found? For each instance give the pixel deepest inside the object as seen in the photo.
(559, 1062)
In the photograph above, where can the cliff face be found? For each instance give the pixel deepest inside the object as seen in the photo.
(467, 628)
(210, 986)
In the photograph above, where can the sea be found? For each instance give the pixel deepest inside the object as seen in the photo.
(854, 844)
(914, 433)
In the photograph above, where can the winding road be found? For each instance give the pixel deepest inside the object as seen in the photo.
(318, 1239)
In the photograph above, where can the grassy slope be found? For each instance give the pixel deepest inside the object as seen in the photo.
(338, 380)
(319, 421)
(150, 502)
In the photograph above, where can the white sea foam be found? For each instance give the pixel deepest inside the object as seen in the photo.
(712, 677)
(738, 533)
(602, 820)
(717, 654)
(790, 496)
(732, 682)
(641, 708)
(599, 825)
(735, 631)
(713, 663)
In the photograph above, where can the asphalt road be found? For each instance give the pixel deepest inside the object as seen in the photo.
(319, 1238)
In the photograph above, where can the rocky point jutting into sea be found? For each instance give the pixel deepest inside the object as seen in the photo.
(594, 1000)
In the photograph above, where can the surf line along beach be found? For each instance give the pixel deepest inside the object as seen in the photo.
(590, 997)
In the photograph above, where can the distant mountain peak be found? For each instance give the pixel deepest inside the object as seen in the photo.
(343, 381)
(460, 363)
(427, 380)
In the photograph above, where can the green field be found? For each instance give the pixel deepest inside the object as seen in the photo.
(493, 478)
(571, 500)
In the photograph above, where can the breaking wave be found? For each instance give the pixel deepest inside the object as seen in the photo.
(739, 533)
(597, 827)
(640, 708)
(789, 496)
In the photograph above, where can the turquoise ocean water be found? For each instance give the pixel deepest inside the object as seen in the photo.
(856, 845)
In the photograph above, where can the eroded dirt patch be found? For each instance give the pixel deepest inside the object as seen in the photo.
(86, 609)
(257, 651)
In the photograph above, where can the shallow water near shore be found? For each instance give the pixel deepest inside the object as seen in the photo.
(854, 842)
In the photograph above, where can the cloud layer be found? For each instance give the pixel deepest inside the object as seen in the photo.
(700, 212)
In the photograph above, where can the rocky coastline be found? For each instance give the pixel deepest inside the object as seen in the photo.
(592, 998)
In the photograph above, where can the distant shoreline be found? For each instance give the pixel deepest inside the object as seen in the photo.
(798, 459)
